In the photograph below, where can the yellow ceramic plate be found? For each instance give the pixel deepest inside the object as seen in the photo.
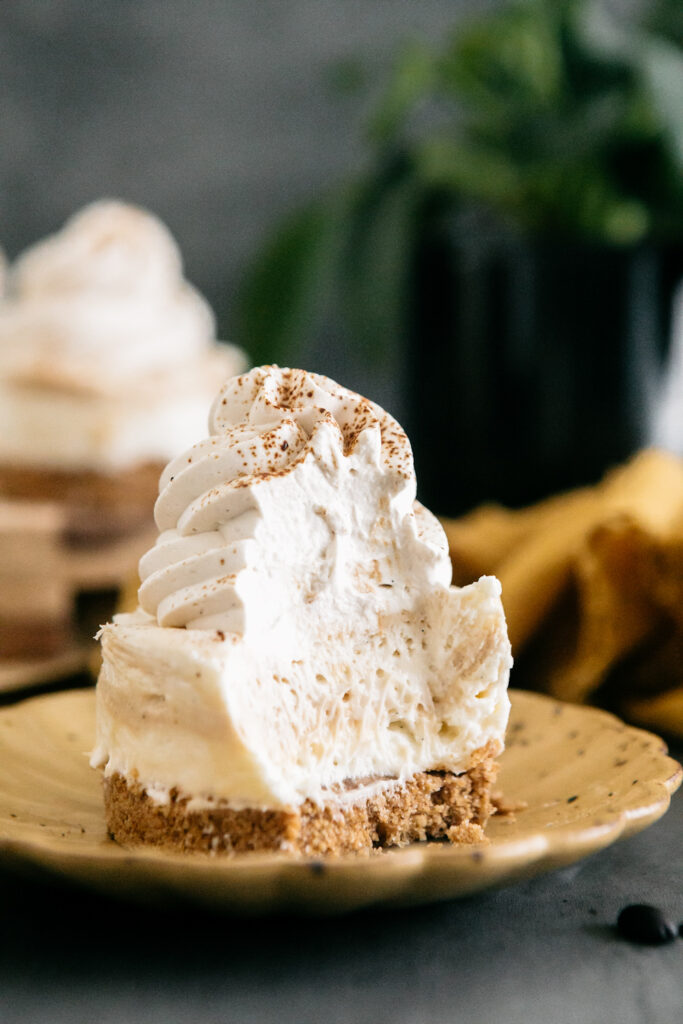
(587, 779)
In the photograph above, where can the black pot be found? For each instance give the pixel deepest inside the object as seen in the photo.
(532, 364)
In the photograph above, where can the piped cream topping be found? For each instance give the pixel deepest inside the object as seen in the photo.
(299, 507)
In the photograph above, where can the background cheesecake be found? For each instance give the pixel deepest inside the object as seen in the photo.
(108, 358)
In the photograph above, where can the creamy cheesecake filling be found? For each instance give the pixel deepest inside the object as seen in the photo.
(46, 427)
(216, 718)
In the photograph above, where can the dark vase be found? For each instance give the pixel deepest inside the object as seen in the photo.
(532, 364)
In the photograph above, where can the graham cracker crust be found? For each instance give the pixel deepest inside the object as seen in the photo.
(33, 638)
(99, 505)
(430, 805)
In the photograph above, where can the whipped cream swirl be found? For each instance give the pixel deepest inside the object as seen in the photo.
(99, 302)
(299, 507)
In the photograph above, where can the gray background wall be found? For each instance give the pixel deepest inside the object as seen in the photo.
(216, 114)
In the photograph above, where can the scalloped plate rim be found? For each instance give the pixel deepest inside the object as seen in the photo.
(468, 869)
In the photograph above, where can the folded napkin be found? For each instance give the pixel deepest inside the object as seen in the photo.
(592, 587)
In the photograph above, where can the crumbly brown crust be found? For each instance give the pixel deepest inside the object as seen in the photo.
(33, 638)
(430, 805)
(99, 505)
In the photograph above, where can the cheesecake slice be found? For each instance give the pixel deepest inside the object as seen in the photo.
(300, 676)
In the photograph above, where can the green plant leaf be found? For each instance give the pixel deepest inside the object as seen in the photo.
(374, 272)
(446, 164)
(412, 81)
(511, 59)
(664, 18)
(562, 117)
(287, 289)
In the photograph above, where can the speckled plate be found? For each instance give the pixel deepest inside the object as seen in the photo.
(585, 777)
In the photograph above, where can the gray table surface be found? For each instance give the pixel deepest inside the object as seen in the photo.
(541, 951)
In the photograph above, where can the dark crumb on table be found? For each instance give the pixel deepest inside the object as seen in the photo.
(645, 925)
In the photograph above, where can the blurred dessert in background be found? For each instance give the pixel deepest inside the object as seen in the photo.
(108, 360)
(107, 363)
(35, 602)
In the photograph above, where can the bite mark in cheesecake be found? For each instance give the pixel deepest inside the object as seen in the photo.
(298, 636)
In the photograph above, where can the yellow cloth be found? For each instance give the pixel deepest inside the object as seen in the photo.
(593, 586)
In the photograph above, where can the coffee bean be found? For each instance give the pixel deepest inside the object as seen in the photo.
(639, 922)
